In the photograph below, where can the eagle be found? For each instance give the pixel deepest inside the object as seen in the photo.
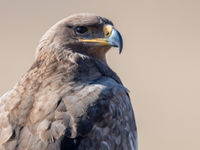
(70, 99)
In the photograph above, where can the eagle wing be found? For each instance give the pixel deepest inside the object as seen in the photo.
(99, 113)
(111, 118)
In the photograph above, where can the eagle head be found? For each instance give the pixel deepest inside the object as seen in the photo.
(83, 33)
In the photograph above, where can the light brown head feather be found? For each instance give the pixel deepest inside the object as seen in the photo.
(62, 36)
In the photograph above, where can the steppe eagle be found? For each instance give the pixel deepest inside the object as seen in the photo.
(70, 98)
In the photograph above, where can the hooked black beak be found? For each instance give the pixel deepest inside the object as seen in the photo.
(112, 38)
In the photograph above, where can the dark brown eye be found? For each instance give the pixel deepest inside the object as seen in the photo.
(81, 29)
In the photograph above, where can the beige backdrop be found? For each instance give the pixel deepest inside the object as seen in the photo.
(160, 63)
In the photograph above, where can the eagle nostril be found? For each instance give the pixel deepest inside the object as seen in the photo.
(107, 34)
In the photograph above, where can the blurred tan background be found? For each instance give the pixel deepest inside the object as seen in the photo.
(160, 62)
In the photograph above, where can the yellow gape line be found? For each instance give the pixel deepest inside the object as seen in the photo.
(107, 29)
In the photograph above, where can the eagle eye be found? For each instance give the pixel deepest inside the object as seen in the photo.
(81, 29)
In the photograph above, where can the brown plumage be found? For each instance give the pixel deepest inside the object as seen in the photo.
(70, 98)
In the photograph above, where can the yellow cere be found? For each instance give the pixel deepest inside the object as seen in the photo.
(107, 29)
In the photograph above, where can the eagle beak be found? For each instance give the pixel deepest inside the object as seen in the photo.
(112, 38)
